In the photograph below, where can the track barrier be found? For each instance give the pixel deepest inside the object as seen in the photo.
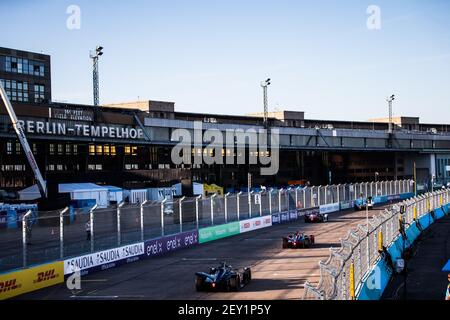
(99, 239)
(362, 266)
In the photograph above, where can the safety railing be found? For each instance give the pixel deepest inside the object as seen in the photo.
(59, 234)
(348, 265)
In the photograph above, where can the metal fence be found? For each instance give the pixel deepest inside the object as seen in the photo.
(360, 249)
(60, 234)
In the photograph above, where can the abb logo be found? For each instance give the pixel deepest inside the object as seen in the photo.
(247, 225)
(45, 276)
(257, 223)
(9, 285)
(268, 220)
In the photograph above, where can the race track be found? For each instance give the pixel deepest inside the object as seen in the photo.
(276, 273)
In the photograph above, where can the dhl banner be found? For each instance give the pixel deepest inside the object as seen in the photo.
(23, 281)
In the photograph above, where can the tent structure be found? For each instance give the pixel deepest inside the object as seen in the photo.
(86, 191)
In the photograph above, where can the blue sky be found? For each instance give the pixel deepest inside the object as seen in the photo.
(210, 56)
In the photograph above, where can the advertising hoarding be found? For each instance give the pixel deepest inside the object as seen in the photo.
(218, 232)
(19, 282)
(170, 243)
(105, 259)
(255, 224)
(329, 208)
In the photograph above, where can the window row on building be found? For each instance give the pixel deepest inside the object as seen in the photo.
(111, 150)
(12, 167)
(63, 149)
(21, 91)
(24, 66)
(443, 168)
(105, 150)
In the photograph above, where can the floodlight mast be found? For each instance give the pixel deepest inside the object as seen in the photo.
(95, 77)
(23, 141)
(264, 85)
(390, 100)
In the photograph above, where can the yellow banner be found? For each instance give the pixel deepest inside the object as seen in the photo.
(380, 241)
(27, 280)
(352, 281)
(212, 188)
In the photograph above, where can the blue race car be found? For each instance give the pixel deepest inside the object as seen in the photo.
(223, 278)
(362, 203)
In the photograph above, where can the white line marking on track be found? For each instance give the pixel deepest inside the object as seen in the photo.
(199, 259)
(105, 297)
(296, 274)
(94, 297)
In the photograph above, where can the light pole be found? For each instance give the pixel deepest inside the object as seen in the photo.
(94, 56)
(264, 85)
(390, 100)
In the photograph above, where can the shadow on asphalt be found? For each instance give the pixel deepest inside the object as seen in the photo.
(326, 245)
(258, 285)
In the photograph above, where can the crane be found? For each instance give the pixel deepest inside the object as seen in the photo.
(23, 141)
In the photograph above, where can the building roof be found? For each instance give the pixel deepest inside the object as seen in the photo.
(79, 187)
(113, 188)
(23, 53)
(146, 106)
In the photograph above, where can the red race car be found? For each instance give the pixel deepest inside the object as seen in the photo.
(297, 241)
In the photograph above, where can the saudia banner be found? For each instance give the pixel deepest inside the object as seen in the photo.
(345, 205)
(329, 208)
(103, 260)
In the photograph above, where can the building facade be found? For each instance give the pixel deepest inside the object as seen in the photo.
(130, 144)
(26, 76)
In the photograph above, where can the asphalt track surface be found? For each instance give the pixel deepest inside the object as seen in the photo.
(276, 273)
